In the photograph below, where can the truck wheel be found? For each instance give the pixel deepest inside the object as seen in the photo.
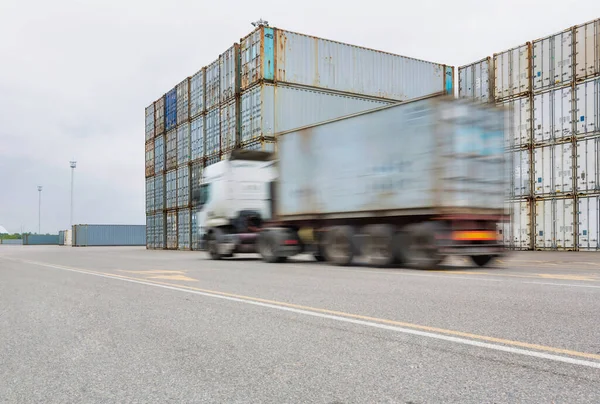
(268, 246)
(339, 245)
(379, 246)
(420, 250)
(212, 244)
(482, 260)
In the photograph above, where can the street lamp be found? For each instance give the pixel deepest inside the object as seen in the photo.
(73, 165)
(39, 209)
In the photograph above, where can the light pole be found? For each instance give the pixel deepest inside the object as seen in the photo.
(39, 209)
(73, 165)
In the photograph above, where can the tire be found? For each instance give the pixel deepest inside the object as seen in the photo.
(420, 250)
(319, 257)
(379, 247)
(268, 246)
(212, 244)
(482, 260)
(339, 245)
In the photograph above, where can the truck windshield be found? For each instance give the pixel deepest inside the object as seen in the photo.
(204, 194)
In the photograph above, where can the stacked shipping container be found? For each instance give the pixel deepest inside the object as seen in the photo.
(551, 86)
(269, 83)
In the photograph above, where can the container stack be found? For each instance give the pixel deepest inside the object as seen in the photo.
(551, 89)
(272, 81)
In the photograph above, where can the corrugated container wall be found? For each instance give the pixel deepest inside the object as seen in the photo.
(12, 241)
(588, 220)
(197, 93)
(587, 108)
(149, 157)
(61, 237)
(512, 72)
(184, 229)
(149, 231)
(554, 224)
(159, 116)
(517, 233)
(159, 154)
(553, 60)
(519, 122)
(171, 109)
(588, 165)
(195, 177)
(229, 124)
(197, 138)
(171, 149)
(213, 84)
(171, 189)
(553, 116)
(195, 226)
(183, 143)
(212, 132)
(183, 101)
(150, 182)
(171, 230)
(587, 50)
(150, 122)
(108, 235)
(273, 54)
(159, 230)
(159, 192)
(475, 81)
(553, 169)
(183, 186)
(40, 239)
(229, 63)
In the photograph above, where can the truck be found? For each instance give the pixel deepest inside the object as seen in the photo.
(408, 184)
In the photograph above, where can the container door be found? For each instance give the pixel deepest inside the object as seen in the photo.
(589, 223)
(542, 118)
(544, 224)
(564, 224)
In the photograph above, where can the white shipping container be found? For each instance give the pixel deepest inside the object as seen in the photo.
(159, 154)
(197, 93)
(212, 132)
(517, 232)
(69, 237)
(587, 107)
(183, 144)
(383, 150)
(150, 194)
(287, 57)
(588, 165)
(521, 174)
(554, 224)
(587, 50)
(171, 230)
(184, 229)
(159, 230)
(475, 81)
(511, 72)
(588, 220)
(171, 149)
(212, 93)
(171, 189)
(183, 186)
(159, 192)
(553, 115)
(553, 60)
(197, 138)
(518, 124)
(183, 101)
(150, 122)
(553, 169)
(228, 73)
(267, 109)
(229, 124)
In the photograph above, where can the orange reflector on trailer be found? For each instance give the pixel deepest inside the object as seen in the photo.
(474, 235)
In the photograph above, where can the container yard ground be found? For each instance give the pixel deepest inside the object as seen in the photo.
(126, 324)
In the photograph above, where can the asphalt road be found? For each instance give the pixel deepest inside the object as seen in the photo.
(126, 325)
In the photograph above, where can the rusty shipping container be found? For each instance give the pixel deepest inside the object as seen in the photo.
(149, 157)
(150, 122)
(183, 101)
(159, 116)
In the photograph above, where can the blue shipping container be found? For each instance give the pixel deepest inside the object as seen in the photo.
(61, 237)
(171, 109)
(40, 239)
(12, 241)
(109, 235)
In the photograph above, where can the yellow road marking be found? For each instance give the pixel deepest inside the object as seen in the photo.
(503, 341)
(585, 278)
(174, 278)
(568, 277)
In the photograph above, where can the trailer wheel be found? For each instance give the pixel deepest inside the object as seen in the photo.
(212, 244)
(339, 245)
(482, 260)
(379, 246)
(268, 246)
(420, 250)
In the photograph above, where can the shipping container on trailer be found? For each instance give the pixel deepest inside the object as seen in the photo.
(171, 149)
(212, 133)
(476, 81)
(268, 109)
(588, 165)
(159, 116)
(517, 232)
(512, 72)
(554, 224)
(183, 101)
(553, 169)
(183, 186)
(552, 64)
(553, 116)
(171, 230)
(197, 138)
(213, 84)
(171, 189)
(159, 192)
(229, 124)
(197, 93)
(519, 122)
(171, 109)
(588, 223)
(160, 234)
(149, 157)
(150, 122)
(587, 50)
(229, 73)
(183, 144)
(88, 235)
(159, 154)
(276, 55)
(587, 108)
(150, 182)
(40, 239)
(183, 229)
(520, 178)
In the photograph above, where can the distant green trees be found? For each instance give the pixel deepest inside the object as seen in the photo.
(6, 236)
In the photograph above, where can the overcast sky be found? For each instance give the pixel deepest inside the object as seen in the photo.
(75, 77)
